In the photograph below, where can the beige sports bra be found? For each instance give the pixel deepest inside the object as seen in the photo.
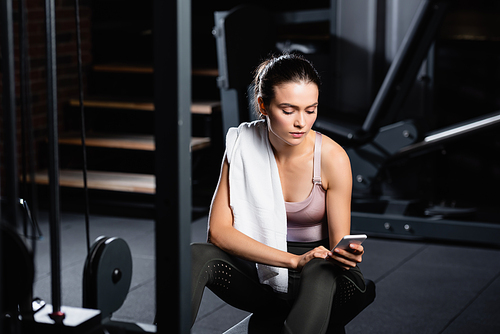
(306, 220)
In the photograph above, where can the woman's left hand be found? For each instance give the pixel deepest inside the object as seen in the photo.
(348, 258)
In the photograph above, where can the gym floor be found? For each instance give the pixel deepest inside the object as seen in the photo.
(422, 287)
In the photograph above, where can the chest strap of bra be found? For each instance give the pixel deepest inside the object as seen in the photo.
(317, 159)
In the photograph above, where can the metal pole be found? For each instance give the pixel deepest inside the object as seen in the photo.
(8, 104)
(172, 71)
(9, 115)
(54, 214)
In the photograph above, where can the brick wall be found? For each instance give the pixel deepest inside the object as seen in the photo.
(67, 70)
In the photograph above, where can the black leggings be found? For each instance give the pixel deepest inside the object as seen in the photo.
(322, 298)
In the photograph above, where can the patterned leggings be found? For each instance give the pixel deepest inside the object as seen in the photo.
(322, 298)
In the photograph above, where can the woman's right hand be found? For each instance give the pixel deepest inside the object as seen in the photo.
(318, 252)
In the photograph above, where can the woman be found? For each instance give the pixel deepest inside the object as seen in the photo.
(275, 216)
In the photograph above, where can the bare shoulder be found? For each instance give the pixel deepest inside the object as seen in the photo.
(333, 153)
(335, 163)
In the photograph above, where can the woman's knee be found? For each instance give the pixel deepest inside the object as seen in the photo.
(320, 268)
(202, 247)
(203, 252)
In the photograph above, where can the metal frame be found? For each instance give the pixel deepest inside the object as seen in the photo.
(236, 106)
(9, 114)
(173, 156)
(453, 132)
(400, 226)
(52, 125)
(172, 76)
(229, 97)
(407, 61)
(8, 104)
(236, 63)
(354, 54)
(303, 16)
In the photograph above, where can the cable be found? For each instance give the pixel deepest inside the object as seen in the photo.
(82, 112)
(27, 136)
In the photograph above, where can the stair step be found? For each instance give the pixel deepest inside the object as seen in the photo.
(205, 72)
(145, 69)
(202, 107)
(123, 68)
(122, 141)
(113, 181)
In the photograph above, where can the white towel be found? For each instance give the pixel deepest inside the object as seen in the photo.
(255, 194)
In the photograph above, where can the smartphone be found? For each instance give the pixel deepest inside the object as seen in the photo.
(350, 239)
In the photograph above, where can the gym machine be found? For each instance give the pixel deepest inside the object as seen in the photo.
(108, 266)
(388, 152)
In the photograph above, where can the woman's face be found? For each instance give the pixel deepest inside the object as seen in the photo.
(293, 111)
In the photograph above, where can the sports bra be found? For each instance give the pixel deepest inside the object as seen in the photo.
(306, 220)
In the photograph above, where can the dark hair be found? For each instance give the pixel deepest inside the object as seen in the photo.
(278, 70)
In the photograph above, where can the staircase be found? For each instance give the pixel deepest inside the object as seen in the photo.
(119, 113)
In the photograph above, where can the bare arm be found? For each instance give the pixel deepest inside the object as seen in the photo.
(223, 235)
(337, 174)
